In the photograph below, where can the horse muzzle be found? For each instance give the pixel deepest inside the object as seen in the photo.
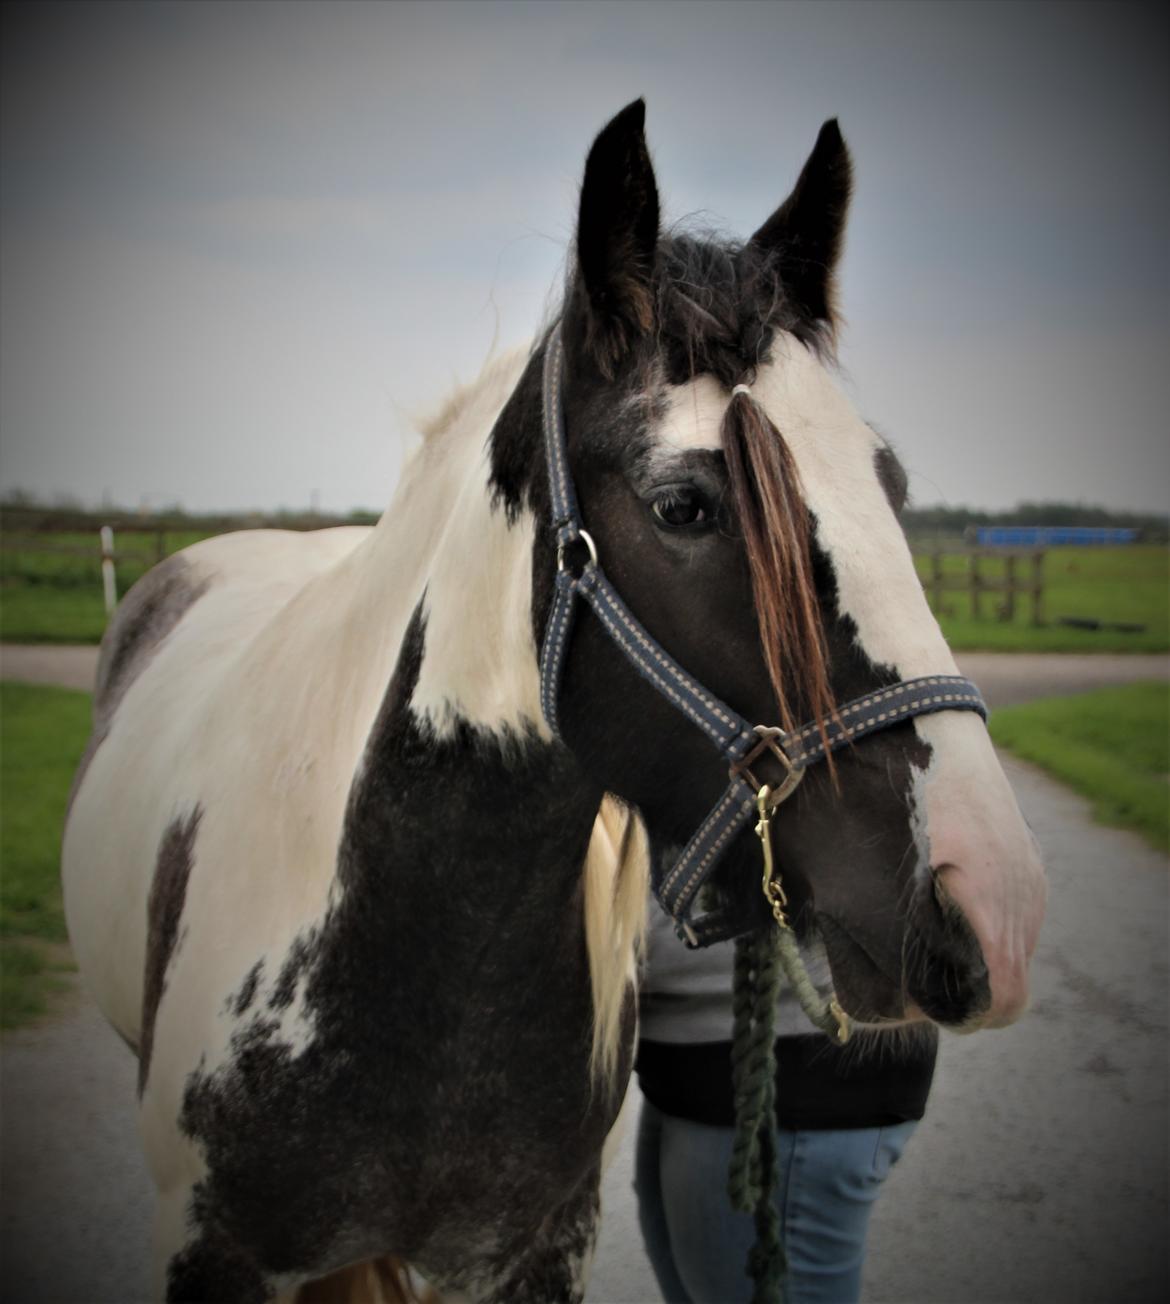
(959, 955)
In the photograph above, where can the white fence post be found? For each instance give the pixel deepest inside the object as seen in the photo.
(109, 581)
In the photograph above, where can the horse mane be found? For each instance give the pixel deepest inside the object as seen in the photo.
(616, 885)
(720, 302)
(499, 371)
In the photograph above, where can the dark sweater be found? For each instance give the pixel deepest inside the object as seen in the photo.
(818, 1084)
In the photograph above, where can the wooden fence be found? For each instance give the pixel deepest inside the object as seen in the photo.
(989, 573)
(133, 542)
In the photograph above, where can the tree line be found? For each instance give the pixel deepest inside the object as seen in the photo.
(1152, 527)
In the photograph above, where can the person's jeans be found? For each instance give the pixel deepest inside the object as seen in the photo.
(698, 1246)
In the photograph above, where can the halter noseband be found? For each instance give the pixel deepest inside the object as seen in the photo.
(741, 744)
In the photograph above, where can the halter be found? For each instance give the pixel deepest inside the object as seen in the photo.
(742, 744)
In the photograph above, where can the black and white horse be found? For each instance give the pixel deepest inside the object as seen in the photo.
(370, 926)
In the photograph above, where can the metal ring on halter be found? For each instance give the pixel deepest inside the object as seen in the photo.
(581, 534)
(771, 740)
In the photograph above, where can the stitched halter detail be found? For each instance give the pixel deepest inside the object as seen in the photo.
(737, 740)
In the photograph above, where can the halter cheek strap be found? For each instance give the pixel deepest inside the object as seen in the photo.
(740, 743)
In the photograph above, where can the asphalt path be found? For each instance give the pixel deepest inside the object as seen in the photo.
(1039, 1173)
(1005, 677)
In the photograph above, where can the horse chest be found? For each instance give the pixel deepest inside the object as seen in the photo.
(441, 1104)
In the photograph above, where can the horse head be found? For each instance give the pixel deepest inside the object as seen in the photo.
(749, 519)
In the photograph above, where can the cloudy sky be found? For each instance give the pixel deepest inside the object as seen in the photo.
(244, 245)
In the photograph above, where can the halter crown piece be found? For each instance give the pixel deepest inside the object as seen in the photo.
(741, 743)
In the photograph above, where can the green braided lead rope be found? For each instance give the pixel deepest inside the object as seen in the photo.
(824, 1014)
(752, 1176)
(762, 960)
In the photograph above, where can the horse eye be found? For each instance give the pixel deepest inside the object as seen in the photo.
(679, 509)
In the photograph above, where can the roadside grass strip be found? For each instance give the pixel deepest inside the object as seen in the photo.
(42, 735)
(1112, 746)
(42, 614)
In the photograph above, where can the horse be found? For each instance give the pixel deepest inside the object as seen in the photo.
(371, 924)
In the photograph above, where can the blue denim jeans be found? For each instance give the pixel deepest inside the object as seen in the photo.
(698, 1246)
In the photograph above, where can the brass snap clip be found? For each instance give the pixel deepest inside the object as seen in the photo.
(772, 888)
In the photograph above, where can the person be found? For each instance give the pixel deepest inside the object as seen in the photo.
(844, 1116)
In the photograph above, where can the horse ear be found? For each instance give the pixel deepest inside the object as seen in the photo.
(805, 231)
(617, 233)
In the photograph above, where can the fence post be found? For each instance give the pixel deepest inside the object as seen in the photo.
(1038, 587)
(1008, 610)
(976, 582)
(109, 580)
(936, 578)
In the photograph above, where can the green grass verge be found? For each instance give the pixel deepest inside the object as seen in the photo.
(42, 735)
(1112, 746)
(1115, 585)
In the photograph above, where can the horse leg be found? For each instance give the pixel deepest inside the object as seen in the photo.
(554, 1266)
(195, 1261)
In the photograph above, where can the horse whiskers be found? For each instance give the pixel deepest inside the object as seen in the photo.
(879, 1040)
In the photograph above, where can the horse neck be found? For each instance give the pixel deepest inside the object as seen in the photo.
(459, 767)
(464, 816)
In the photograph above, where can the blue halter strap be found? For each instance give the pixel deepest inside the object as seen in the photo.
(739, 742)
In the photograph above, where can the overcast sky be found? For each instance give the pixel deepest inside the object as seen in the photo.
(244, 245)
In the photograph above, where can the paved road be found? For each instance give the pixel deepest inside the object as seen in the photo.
(1005, 677)
(1039, 1174)
(47, 663)
(1008, 678)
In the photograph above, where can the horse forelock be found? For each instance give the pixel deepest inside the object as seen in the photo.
(719, 305)
(769, 504)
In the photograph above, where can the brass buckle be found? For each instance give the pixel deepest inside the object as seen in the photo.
(769, 735)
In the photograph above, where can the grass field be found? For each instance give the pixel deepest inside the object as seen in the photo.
(42, 736)
(1113, 585)
(1112, 746)
(56, 597)
(42, 614)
